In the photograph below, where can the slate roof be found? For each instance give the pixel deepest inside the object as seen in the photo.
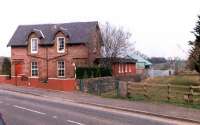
(139, 59)
(78, 32)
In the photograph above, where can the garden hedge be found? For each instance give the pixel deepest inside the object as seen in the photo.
(92, 72)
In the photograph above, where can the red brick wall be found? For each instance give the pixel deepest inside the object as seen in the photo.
(95, 46)
(4, 79)
(54, 84)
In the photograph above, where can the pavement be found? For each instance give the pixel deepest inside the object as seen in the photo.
(164, 111)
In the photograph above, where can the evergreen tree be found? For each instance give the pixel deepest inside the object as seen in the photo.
(6, 66)
(194, 57)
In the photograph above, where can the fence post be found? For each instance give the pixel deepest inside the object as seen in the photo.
(128, 95)
(145, 90)
(168, 92)
(81, 85)
(117, 87)
(190, 96)
(99, 86)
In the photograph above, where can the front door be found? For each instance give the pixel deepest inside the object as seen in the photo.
(18, 69)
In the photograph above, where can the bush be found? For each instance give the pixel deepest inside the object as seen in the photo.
(92, 72)
(138, 78)
(6, 67)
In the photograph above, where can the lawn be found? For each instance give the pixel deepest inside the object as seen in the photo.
(186, 80)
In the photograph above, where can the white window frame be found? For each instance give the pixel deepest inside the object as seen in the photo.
(32, 40)
(122, 68)
(58, 45)
(129, 68)
(58, 68)
(126, 67)
(37, 69)
(119, 68)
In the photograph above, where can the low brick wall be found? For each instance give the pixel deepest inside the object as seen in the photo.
(6, 79)
(54, 83)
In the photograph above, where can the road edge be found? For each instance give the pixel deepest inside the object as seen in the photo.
(115, 108)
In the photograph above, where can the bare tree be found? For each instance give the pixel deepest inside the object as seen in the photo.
(138, 53)
(115, 40)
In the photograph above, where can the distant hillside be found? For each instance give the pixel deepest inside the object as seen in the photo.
(179, 65)
(157, 60)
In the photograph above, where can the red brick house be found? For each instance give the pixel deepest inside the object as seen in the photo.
(50, 52)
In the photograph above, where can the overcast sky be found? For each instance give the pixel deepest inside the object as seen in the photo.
(159, 27)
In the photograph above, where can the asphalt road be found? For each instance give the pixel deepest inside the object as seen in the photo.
(21, 109)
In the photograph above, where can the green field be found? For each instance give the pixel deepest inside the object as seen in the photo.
(187, 79)
(173, 90)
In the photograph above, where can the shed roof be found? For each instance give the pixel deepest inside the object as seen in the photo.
(139, 59)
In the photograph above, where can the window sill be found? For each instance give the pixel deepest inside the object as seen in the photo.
(60, 51)
(35, 77)
(61, 77)
(34, 52)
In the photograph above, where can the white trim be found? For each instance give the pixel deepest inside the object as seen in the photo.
(62, 28)
(4, 75)
(126, 67)
(21, 74)
(129, 68)
(31, 45)
(74, 70)
(34, 77)
(37, 69)
(122, 68)
(58, 45)
(16, 76)
(40, 32)
(37, 77)
(119, 68)
(62, 79)
(63, 68)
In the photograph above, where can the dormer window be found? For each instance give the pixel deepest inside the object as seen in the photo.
(60, 44)
(34, 45)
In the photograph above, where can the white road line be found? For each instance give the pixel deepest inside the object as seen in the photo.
(41, 113)
(75, 122)
(55, 117)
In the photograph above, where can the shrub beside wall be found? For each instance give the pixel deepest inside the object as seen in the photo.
(6, 67)
(92, 72)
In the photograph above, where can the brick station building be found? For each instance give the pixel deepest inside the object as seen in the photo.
(46, 55)
(120, 66)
